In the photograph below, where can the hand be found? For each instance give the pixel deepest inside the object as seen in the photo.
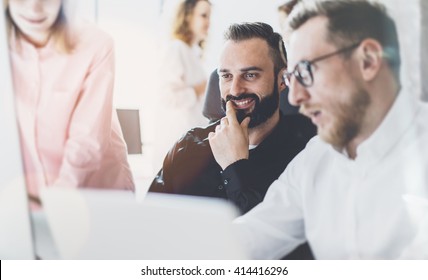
(229, 143)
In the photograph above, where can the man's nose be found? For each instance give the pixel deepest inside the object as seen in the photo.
(237, 87)
(298, 94)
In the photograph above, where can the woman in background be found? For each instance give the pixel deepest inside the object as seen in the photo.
(63, 79)
(182, 76)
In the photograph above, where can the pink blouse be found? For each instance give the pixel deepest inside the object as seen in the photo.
(70, 134)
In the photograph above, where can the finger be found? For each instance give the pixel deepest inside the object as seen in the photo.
(245, 123)
(217, 128)
(231, 113)
(224, 121)
(211, 135)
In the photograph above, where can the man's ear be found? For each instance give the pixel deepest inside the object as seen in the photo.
(371, 58)
(281, 81)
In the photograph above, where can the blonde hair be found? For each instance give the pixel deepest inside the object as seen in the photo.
(183, 17)
(60, 30)
(288, 6)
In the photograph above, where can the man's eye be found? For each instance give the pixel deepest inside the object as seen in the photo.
(226, 76)
(250, 75)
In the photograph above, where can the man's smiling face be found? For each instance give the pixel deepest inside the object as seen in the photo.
(248, 80)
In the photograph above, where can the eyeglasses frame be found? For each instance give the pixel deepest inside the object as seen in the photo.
(308, 65)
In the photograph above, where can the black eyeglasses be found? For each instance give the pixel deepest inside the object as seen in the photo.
(303, 69)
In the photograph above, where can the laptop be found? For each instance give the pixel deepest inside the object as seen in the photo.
(112, 224)
(16, 238)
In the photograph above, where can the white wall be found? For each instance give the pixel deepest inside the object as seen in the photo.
(86, 9)
(424, 49)
(407, 14)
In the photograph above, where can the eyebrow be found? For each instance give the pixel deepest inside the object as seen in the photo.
(246, 69)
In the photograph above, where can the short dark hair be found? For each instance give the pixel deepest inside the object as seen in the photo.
(351, 21)
(249, 30)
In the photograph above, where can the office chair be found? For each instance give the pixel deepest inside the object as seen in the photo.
(212, 104)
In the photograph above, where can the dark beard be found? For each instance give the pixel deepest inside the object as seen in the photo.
(263, 109)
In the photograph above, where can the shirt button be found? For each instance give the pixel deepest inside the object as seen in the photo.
(226, 182)
(220, 187)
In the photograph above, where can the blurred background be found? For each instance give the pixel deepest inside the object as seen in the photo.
(139, 29)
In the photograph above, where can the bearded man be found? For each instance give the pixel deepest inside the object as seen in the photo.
(251, 67)
(359, 190)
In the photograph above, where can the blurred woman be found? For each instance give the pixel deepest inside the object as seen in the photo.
(63, 79)
(182, 77)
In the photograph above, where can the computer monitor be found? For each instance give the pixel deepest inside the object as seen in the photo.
(129, 120)
(16, 240)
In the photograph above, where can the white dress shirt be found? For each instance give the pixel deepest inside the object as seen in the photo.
(344, 208)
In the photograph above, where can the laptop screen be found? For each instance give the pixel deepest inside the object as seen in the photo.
(15, 224)
(109, 225)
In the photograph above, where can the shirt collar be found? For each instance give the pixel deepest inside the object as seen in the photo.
(26, 49)
(393, 126)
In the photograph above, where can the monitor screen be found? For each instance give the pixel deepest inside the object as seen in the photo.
(15, 225)
(129, 120)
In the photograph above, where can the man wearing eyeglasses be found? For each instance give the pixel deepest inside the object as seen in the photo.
(360, 189)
